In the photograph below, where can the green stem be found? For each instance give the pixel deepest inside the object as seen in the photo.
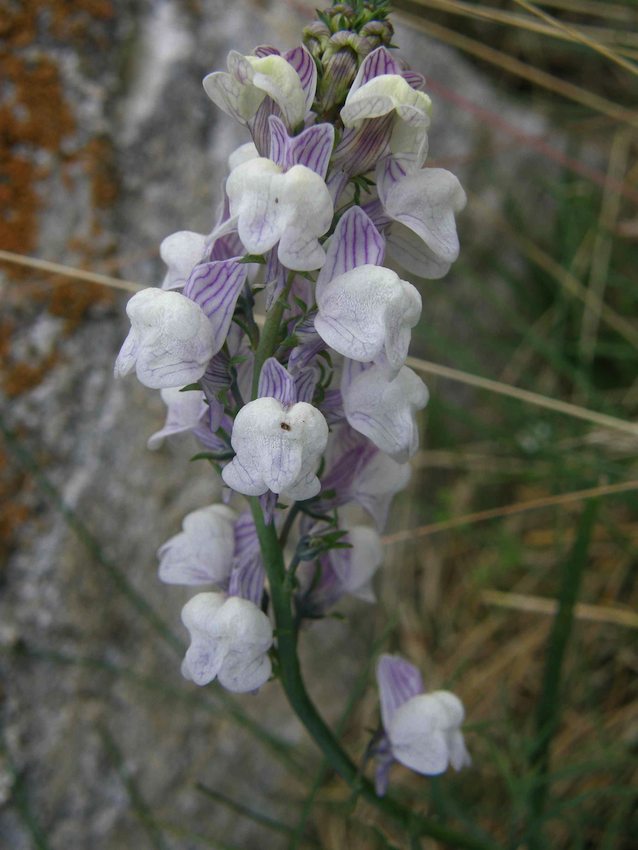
(304, 708)
(548, 708)
(269, 339)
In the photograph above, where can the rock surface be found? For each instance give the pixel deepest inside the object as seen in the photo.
(117, 146)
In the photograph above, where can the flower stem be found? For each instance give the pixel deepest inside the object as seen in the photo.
(270, 333)
(305, 709)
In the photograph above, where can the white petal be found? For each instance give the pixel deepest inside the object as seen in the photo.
(171, 340)
(184, 413)
(384, 410)
(381, 95)
(237, 100)
(367, 313)
(248, 631)
(181, 252)
(203, 552)
(356, 566)
(204, 657)
(278, 79)
(424, 203)
(294, 209)
(277, 448)
(417, 737)
(244, 153)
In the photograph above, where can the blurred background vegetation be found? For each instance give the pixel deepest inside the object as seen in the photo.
(511, 574)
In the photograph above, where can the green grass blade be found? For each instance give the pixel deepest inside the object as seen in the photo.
(548, 706)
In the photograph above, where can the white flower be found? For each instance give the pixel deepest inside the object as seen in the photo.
(391, 93)
(181, 252)
(355, 567)
(250, 79)
(367, 314)
(202, 553)
(230, 639)
(384, 409)
(293, 208)
(170, 342)
(425, 733)
(422, 731)
(277, 448)
(184, 413)
(422, 236)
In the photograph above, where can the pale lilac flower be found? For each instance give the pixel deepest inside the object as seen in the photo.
(357, 471)
(421, 205)
(270, 206)
(185, 411)
(250, 79)
(383, 408)
(230, 639)
(170, 342)
(367, 315)
(365, 311)
(202, 553)
(343, 571)
(277, 448)
(421, 731)
(384, 111)
(181, 252)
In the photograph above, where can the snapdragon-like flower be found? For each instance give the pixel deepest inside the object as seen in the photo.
(421, 731)
(383, 408)
(365, 312)
(277, 448)
(250, 79)
(230, 639)
(342, 571)
(422, 204)
(385, 112)
(170, 341)
(202, 553)
(292, 208)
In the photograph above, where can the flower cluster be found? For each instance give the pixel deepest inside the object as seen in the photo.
(324, 213)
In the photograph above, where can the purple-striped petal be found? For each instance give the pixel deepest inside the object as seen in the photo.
(279, 143)
(304, 65)
(414, 79)
(355, 242)
(266, 50)
(361, 148)
(215, 287)
(305, 382)
(276, 382)
(379, 62)
(275, 277)
(398, 681)
(311, 148)
(247, 576)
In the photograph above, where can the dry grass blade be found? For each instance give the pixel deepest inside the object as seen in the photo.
(542, 605)
(553, 404)
(69, 271)
(597, 35)
(576, 35)
(411, 534)
(521, 69)
(595, 8)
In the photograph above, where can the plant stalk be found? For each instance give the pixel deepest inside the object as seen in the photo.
(304, 708)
